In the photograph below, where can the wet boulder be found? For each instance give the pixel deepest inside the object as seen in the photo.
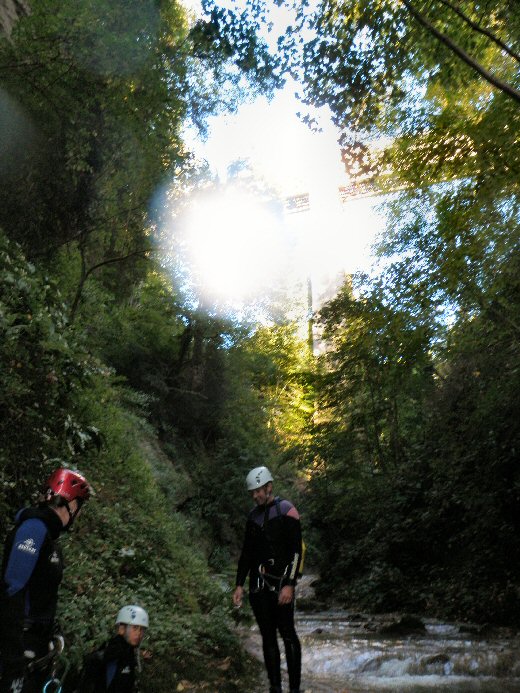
(440, 658)
(405, 625)
(306, 596)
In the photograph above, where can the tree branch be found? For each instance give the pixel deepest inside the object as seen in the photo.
(465, 57)
(114, 259)
(86, 230)
(485, 32)
(86, 273)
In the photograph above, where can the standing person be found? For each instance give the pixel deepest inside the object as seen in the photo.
(32, 571)
(271, 555)
(112, 667)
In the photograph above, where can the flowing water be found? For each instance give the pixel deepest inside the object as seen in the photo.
(345, 652)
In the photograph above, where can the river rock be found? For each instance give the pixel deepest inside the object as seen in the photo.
(406, 625)
(440, 658)
(306, 595)
(481, 629)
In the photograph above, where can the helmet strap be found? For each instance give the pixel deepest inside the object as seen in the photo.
(72, 515)
(69, 524)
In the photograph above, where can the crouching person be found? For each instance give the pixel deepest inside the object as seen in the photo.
(113, 667)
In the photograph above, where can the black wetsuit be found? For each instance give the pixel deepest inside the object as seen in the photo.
(31, 574)
(111, 668)
(271, 555)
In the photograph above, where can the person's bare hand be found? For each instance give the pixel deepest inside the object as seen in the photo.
(238, 595)
(286, 595)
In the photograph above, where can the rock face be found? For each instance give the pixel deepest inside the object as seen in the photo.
(10, 12)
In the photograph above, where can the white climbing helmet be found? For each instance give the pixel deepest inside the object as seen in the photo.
(257, 477)
(132, 615)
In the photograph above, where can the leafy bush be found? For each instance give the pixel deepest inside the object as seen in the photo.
(43, 368)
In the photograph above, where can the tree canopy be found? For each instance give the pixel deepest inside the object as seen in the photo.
(409, 445)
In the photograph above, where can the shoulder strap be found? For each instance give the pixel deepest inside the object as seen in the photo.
(277, 502)
(266, 516)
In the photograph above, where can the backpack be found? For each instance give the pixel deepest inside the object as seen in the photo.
(302, 560)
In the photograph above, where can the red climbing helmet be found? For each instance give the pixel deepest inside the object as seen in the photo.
(68, 484)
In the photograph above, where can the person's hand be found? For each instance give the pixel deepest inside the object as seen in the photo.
(238, 595)
(286, 595)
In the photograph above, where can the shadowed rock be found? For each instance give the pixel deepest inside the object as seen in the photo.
(406, 625)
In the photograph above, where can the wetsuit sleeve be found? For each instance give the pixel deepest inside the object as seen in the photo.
(244, 562)
(25, 551)
(24, 555)
(293, 536)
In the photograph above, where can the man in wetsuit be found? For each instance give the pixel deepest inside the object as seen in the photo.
(271, 555)
(31, 574)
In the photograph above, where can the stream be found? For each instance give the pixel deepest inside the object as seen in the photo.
(346, 652)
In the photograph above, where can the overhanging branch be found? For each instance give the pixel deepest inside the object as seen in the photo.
(485, 32)
(85, 274)
(111, 260)
(465, 57)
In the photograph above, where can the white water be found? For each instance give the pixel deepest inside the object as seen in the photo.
(339, 657)
(343, 653)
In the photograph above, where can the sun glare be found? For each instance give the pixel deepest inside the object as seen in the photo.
(234, 246)
(237, 249)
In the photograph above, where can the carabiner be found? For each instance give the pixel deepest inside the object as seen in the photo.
(52, 681)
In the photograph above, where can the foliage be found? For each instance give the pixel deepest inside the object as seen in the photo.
(233, 32)
(431, 528)
(281, 371)
(81, 78)
(372, 60)
(379, 358)
(42, 369)
(221, 399)
(265, 413)
(152, 399)
(403, 438)
(412, 477)
(98, 94)
(130, 547)
(134, 514)
(129, 544)
(372, 386)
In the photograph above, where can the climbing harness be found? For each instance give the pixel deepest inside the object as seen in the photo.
(266, 579)
(54, 683)
(269, 581)
(55, 657)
